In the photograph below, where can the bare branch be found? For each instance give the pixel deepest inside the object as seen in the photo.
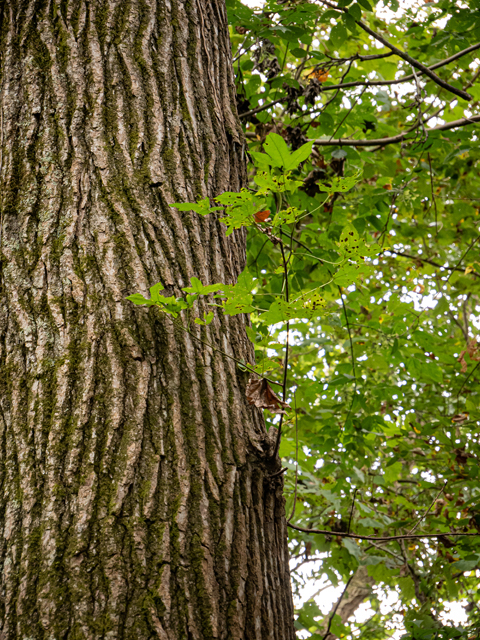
(384, 83)
(420, 520)
(428, 261)
(372, 83)
(463, 122)
(330, 619)
(401, 54)
(468, 249)
(406, 536)
(418, 65)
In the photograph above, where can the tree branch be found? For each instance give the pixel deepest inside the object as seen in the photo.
(418, 65)
(371, 83)
(383, 83)
(420, 520)
(428, 261)
(261, 108)
(406, 536)
(463, 122)
(401, 54)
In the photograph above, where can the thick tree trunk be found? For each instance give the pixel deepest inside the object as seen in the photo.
(135, 492)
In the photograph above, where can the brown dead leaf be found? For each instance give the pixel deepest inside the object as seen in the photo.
(260, 394)
(319, 74)
(261, 216)
(473, 350)
(463, 362)
(459, 418)
(461, 456)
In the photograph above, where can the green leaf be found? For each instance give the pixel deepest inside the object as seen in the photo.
(202, 206)
(137, 298)
(466, 565)
(340, 185)
(198, 287)
(286, 216)
(267, 181)
(338, 34)
(299, 53)
(407, 587)
(277, 149)
(352, 547)
(370, 522)
(349, 242)
(207, 319)
(299, 156)
(393, 472)
(155, 292)
(355, 11)
(263, 160)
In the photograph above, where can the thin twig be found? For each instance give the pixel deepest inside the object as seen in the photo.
(285, 360)
(260, 108)
(470, 596)
(418, 65)
(330, 620)
(390, 211)
(351, 353)
(357, 98)
(351, 510)
(382, 142)
(296, 458)
(428, 261)
(463, 122)
(394, 555)
(243, 52)
(429, 508)
(468, 378)
(464, 255)
(431, 189)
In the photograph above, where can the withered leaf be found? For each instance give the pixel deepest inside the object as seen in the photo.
(260, 394)
(447, 543)
(473, 350)
(261, 216)
(463, 362)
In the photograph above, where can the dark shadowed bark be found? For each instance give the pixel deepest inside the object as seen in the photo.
(135, 492)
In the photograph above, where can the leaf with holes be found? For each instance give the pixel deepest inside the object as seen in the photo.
(201, 207)
(340, 185)
(267, 181)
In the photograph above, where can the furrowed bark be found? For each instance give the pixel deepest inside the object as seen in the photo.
(135, 491)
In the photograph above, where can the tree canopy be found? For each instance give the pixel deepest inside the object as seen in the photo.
(362, 285)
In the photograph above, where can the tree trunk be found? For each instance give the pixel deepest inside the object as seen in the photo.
(135, 491)
(360, 588)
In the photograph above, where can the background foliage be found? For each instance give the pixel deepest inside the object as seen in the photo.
(385, 384)
(362, 286)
